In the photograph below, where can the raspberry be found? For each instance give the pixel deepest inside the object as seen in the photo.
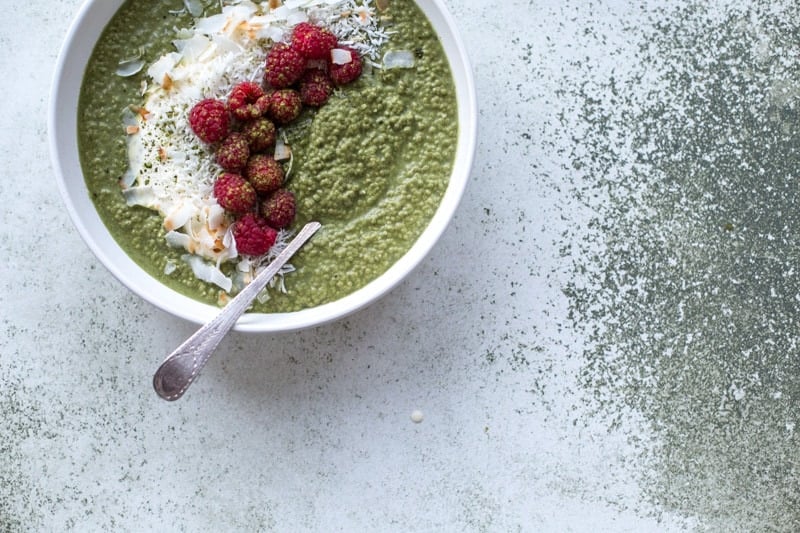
(209, 120)
(315, 87)
(312, 41)
(347, 72)
(245, 101)
(279, 209)
(284, 66)
(233, 153)
(284, 106)
(260, 134)
(234, 193)
(264, 173)
(253, 235)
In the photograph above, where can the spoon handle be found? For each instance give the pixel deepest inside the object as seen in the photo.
(183, 365)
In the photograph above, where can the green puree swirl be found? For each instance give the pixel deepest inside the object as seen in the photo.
(372, 166)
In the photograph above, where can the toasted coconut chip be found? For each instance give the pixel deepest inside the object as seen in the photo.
(166, 83)
(216, 217)
(192, 48)
(364, 15)
(226, 44)
(210, 25)
(398, 59)
(163, 65)
(179, 216)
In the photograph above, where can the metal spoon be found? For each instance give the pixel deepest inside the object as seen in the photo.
(183, 365)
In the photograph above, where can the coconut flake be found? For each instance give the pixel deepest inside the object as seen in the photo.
(143, 196)
(208, 273)
(179, 216)
(216, 216)
(211, 25)
(296, 17)
(164, 65)
(192, 48)
(194, 7)
(176, 239)
(282, 150)
(398, 59)
(340, 56)
(129, 67)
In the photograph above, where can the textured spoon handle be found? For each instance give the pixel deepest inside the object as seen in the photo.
(182, 366)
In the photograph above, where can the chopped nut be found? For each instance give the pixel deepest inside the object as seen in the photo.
(130, 130)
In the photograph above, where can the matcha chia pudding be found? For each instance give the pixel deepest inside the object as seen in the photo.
(210, 132)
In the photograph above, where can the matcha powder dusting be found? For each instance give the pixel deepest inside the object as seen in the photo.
(687, 282)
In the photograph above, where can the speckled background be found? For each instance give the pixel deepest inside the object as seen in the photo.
(605, 339)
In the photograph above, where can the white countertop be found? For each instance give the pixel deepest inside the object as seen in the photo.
(525, 427)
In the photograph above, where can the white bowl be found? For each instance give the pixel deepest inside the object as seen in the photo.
(84, 32)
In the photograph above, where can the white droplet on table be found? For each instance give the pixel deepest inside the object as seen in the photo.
(416, 416)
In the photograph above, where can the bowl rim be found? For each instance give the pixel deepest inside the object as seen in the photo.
(77, 46)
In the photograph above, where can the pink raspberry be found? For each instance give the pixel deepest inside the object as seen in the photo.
(234, 193)
(345, 73)
(312, 41)
(245, 101)
(253, 235)
(285, 105)
(260, 134)
(315, 87)
(264, 173)
(233, 153)
(209, 120)
(284, 66)
(279, 209)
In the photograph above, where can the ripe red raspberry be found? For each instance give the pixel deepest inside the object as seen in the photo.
(209, 120)
(264, 173)
(245, 101)
(234, 193)
(233, 153)
(312, 41)
(284, 66)
(279, 208)
(342, 74)
(253, 235)
(284, 106)
(315, 87)
(260, 134)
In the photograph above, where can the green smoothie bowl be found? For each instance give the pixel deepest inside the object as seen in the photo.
(191, 139)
